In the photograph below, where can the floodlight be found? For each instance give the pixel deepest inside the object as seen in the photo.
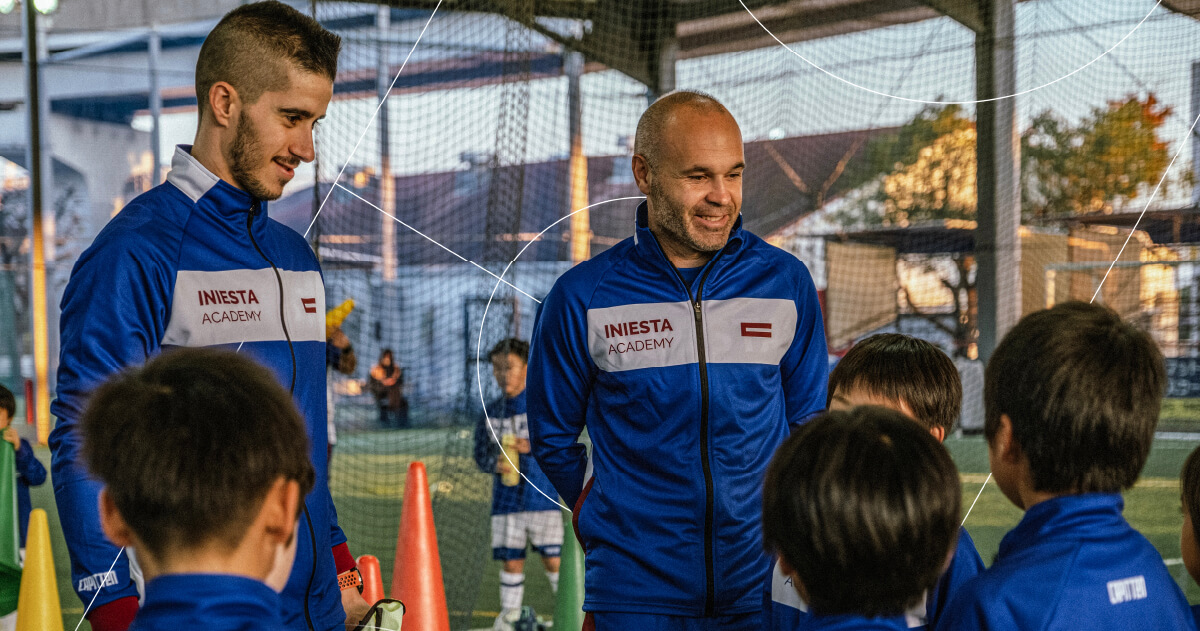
(45, 6)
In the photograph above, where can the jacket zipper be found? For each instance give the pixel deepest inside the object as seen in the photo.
(312, 535)
(709, 503)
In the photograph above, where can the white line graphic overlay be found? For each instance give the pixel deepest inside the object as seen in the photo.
(370, 122)
(1100, 286)
(93, 601)
(901, 98)
(489, 272)
(479, 339)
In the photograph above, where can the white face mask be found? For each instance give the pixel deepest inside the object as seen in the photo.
(284, 556)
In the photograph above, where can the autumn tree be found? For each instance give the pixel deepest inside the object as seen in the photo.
(1112, 156)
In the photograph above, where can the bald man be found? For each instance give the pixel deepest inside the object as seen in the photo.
(689, 352)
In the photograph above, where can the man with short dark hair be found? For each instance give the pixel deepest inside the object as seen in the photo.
(214, 535)
(196, 262)
(862, 510)
(1072, 396)
(689, 352)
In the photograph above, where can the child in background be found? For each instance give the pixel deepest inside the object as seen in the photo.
(215, 535)
(30, 471)
(911, 376)
(1189, 537)
(1072, 396)
(861, 508)
(521, 514)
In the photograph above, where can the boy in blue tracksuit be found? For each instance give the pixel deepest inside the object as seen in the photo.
(861, 509)
(215, 536)
(1072, 397)
(524, 512)
(1189, 492)
(908, 375)
(30, 471)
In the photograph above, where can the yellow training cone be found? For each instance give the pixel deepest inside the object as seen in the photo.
(335, 316)
(38, 608)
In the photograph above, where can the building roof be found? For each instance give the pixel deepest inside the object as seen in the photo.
(782, 183)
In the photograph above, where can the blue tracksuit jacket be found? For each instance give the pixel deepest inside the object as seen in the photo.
(213, 602)
(1073, 562)
(508, 417)
(783, 610)
(30, 472)
(856, 623)
(686, 390)
(194, 262)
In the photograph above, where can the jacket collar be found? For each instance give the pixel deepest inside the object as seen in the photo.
(210, 601)
(1065, 517)
(198, 183)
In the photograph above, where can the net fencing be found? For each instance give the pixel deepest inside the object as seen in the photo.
(509, 115)
(849, 165)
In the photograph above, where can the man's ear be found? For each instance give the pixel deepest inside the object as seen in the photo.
(641, 173)
(223, 103)
(112, 522)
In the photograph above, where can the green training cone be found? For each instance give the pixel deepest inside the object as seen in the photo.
(568, 607)
(10, 560)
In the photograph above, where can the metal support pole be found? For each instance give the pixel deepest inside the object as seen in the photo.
(387, 184)
(668, 51)
(997, 236)
(37, 160)
(581, 230)
(1196, 133)
(154, 45)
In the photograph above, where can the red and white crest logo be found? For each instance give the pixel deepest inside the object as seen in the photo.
(756, 329)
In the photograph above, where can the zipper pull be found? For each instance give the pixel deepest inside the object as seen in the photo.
(696, 306)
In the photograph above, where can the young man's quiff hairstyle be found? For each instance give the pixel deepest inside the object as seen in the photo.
(252, 46)
(864, 507)
(650, 126)
(1189, 487)
(510, 346)
(189, 444)
(902, 368)
(1083, 391)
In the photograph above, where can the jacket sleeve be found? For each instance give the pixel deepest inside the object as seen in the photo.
(28, 466)
(967, 613)
(114, 312)
(805, 366)
(559, 383)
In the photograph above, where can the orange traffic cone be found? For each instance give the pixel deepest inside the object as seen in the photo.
(417, 574)
(368, 566)
(38, 607)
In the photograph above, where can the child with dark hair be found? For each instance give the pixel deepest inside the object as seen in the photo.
(1189, 537)
(1072, 397)
(522, 513)
(30, 471)
(213, 465)
(908, 375)
(861, 509)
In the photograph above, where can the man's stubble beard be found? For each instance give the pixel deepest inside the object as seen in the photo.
(245, 153)
(670, 219)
